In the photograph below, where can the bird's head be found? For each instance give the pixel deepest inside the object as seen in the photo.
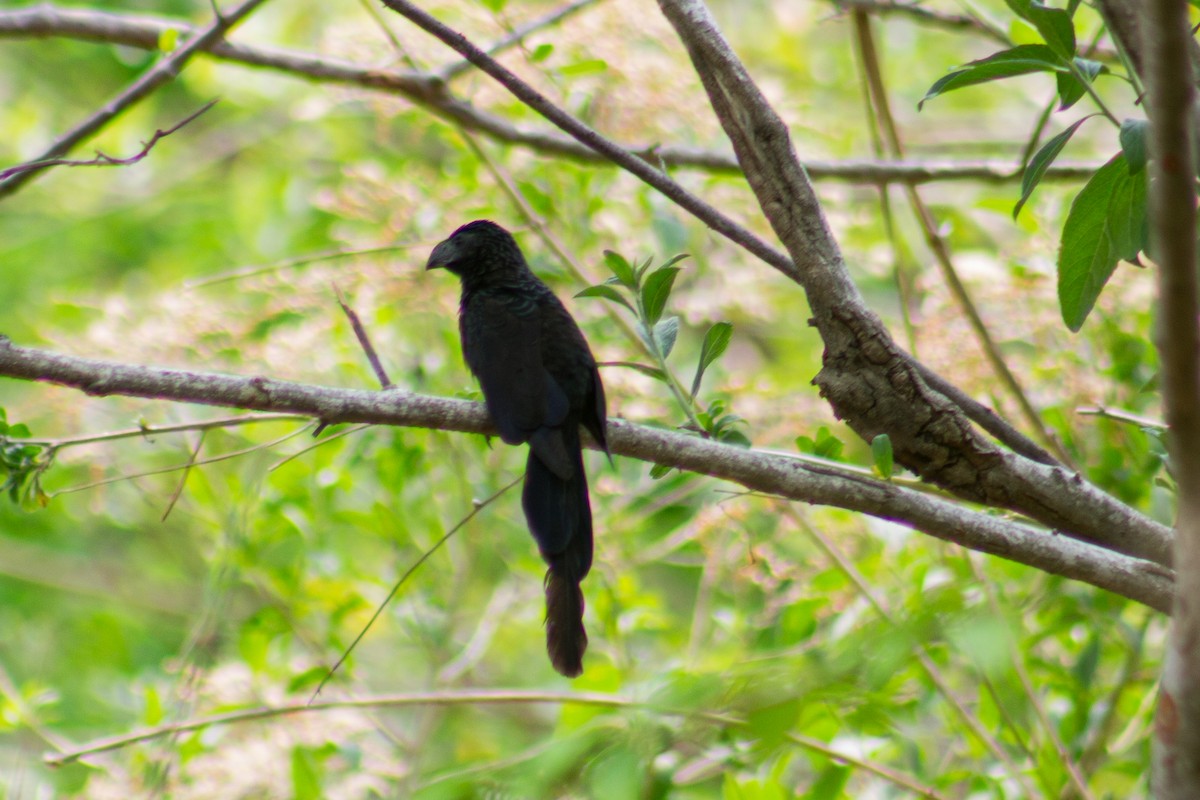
(479, 250)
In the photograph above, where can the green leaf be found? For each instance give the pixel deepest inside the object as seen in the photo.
(1019, 7)
(653, 372)
(608, 293)
(1085, 667)
(1020, 60)
(1056, 28)
(1106, 224)
(830, 784)
(541, 52)
(665, 333)
(658, 471)
(586, 67)
(734, 437)
(620, 268)
(641, 270)
(1042, 160)
(715, 342)
(675, 259)
(1070, 88)
(1133, 143)
(656, 291)
(770, 724)
(881, 452)
(168, 39)
(308, 679)
(825, 445)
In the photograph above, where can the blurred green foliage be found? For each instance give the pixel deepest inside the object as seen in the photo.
(750, 640)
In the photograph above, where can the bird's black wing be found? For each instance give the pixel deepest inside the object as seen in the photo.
(502, 345)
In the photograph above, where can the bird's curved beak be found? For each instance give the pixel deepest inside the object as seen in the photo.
(441, 256)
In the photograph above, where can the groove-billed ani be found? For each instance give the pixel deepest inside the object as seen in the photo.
(540, 382)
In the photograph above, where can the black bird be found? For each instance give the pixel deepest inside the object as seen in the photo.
(540, 382)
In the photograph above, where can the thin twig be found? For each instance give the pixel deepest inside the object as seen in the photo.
(467, 697)
(932, 17)
(479, 506)
(290, 263)
(183, 478)
(185, 466)
(313, 446)
(1120, 415)
(146, 430)
(364, 340)
(103, 159)
(158, 75)
(518, 35)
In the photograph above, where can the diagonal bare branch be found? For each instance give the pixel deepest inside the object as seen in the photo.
(868, 380)
(158, 75)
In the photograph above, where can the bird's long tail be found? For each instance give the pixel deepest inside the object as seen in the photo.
(559, 514)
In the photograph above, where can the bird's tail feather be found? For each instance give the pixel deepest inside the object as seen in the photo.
(566, 639)
(560, 517)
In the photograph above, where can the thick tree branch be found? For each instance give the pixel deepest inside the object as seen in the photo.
(1170, 100)
(774, 474)
(867, 379)
(158, 75)
(430, 92)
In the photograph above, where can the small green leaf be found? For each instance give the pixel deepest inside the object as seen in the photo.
(675, 259)
(541, 52)
(1133, 143)
(1020, 60)
(307, 771)
(659, 471)
(1070, 88)
(653, 372)
(1019, 7)
(734, 437)
(666, 331)
(1107, 223)
(830, 784)
(825, 445)
(715, 342)
(620, 268)
(1056, 27)
(656, 291)
(881, 452)
(1042, 160)
(641, 270)
(607, 292)
(168, 39)
(586, 67)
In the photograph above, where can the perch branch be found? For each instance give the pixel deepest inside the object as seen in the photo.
(774, 474)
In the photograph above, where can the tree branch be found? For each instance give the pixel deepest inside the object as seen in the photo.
(1170, 100)
(769, 473)
(103, 159)
(161, 73)
(867, 379)
(430, 92)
